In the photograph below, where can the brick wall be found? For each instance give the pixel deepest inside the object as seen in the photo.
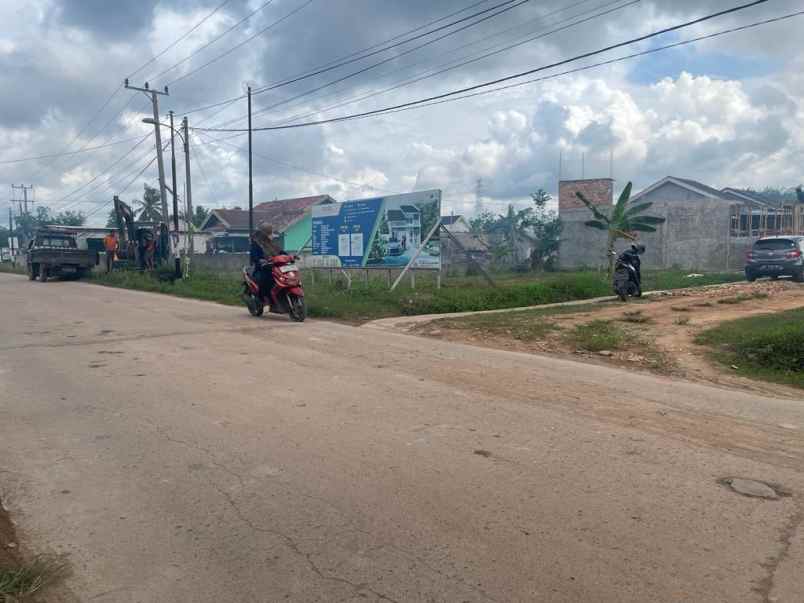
(600, 191)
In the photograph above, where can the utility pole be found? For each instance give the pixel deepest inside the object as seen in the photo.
(11, 231)
(478, 197)
(176, 258)
(23, 207)
(250, 183)
(189, 193)
(154, 95)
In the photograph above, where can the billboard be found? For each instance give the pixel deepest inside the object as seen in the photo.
(381, 232)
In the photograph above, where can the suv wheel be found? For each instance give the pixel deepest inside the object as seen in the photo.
(799, 276)
(750, 276)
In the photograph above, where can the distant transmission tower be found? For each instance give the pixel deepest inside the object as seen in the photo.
(479, 196)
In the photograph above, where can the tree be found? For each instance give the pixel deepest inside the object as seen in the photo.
(3, 237)
(70, 218)
(482, 223)
(200, 215)
(149, 206)
(800, 193)
(111, 219)
(546, 229)
(622, 221)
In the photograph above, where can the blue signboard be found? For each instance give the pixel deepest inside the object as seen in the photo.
(381, 232)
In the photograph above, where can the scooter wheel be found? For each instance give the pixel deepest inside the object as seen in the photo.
(255, 306)
(298, 310)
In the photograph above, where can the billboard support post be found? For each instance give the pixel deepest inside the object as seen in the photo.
(415, 256)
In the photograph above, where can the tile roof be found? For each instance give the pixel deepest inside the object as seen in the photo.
(282, 213)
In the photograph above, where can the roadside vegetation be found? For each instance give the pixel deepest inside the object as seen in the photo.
(769, 346)
(371, 300)
(10, 268)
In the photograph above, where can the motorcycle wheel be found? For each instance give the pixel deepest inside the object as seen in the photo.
(255, 306)
(297, 309)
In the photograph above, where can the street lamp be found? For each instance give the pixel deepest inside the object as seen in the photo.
(185, 138)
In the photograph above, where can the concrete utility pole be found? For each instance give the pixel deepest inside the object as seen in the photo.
(250, 184)
(11, 230)
(176, 258)
(189, 192)
(154, 96)
(23, 202)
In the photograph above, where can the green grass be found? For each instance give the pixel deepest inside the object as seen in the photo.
(20, 582)
(372, 300)
(769, 346)
(596, 336)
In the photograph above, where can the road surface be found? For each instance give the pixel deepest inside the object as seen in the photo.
(182, 451)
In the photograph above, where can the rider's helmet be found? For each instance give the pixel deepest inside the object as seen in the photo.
(638, 249)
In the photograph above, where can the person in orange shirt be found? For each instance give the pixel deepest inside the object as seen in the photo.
(111, 245)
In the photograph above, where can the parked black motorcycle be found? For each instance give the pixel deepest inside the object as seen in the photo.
(627, 278)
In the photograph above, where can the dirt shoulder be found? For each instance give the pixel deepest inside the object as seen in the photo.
(655, 334)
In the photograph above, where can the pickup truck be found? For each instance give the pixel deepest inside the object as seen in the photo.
(56, 253)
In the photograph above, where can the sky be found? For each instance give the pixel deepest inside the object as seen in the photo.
(727, 111)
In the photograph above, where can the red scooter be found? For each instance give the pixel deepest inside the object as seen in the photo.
(287, 295)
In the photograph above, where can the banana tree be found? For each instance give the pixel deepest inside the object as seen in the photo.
(623, 220)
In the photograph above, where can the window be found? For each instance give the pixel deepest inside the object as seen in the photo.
(775, 244)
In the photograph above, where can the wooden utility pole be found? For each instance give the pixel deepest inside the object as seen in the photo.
(250, 183)
(189, 191)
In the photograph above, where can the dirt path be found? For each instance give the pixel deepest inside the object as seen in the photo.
(664, 328)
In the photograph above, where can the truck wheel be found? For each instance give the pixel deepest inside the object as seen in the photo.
(43, 272)
(799, 276)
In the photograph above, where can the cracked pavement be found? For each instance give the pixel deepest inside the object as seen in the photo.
(177, 451)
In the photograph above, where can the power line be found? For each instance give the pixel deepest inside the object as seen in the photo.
(69, 153)
(229, 101)
(244, 42)
(175, 42)
(108, 169)
(212, 41)
(393, 58)
(502, 79)
(615, 60)
(451, 65)
(223, 141)
(310, 74)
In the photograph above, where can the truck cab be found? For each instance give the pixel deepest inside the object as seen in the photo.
(56, 253)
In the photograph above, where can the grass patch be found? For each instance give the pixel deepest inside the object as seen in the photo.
(597, 336)
(371, 300)
(703, 305)
(635, 316)
(769, 346)
(739, 299)
(28, 579)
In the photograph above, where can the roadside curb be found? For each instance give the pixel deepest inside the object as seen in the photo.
(404, 323)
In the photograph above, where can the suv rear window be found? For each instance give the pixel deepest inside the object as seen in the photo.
(775, 244)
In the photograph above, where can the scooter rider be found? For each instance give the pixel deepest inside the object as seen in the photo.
(262, 250)
(631, 256)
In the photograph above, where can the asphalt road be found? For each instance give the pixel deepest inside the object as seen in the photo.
(183, 451)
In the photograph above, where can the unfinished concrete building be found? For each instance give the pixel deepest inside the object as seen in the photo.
(705, 228)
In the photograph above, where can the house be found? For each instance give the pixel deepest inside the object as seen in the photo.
(455, 224)
(404, 226)
(291, 219)
(705, 228)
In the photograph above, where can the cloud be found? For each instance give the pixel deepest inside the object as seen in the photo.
(66, 56)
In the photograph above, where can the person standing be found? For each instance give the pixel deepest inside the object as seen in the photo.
(111, 244)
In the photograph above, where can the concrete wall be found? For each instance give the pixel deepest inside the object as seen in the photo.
(582, 246)
(695, 236)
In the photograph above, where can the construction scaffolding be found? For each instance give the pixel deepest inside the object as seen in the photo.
(752, 221)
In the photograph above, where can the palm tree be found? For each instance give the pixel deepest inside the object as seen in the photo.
(622, 221)
(149, 206)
